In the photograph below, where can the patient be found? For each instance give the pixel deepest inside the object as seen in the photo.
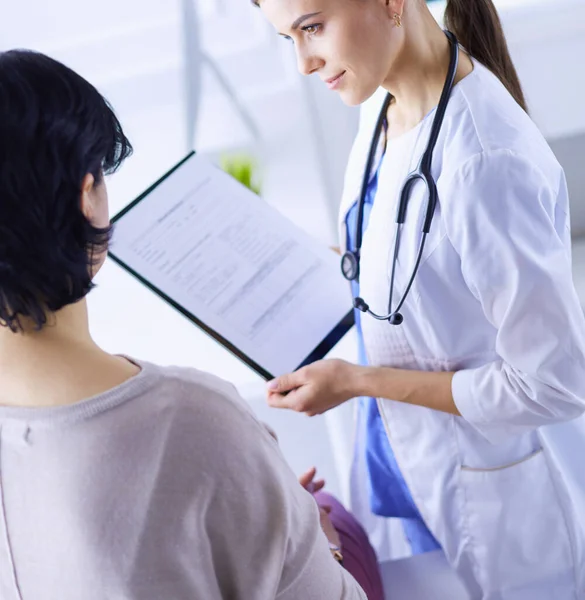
(119, 479)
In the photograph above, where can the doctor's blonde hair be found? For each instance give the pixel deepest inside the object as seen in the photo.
(477, 26)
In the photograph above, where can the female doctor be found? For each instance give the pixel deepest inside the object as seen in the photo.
(473, 339)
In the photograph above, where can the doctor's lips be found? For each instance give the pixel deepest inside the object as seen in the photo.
(334, 82)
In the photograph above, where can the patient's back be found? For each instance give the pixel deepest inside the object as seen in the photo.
(165, 487)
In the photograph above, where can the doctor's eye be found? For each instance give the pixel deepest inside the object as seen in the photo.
(312, 29)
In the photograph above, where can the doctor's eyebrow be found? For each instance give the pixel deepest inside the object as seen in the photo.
(302, 19)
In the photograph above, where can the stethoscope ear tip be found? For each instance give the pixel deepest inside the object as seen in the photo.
(396, 319)
(360, 304)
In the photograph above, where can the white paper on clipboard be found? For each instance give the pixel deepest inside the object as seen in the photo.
(239, 269)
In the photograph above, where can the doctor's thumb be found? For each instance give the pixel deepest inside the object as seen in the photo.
(285, 383)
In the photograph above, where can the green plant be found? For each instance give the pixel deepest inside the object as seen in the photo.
(243, 168)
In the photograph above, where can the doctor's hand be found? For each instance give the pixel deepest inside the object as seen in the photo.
(316, 388)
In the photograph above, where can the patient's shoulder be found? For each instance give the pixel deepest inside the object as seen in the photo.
(189, 381)
(199, 399)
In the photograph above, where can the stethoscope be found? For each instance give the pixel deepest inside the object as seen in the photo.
(350, 262)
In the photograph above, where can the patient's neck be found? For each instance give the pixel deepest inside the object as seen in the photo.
(68, 327)
(60, 364)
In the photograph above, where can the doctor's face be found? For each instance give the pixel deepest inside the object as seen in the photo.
(350, 44)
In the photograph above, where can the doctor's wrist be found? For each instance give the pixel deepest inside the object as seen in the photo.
(360, 381)
(388, 382)
(421, 388)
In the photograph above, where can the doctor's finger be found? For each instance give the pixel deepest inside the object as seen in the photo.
(286, 383)
(276, 400)
(298, 400)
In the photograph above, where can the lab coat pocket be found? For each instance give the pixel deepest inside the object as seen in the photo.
(517, 527)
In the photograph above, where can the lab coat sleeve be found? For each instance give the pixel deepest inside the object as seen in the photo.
(511, 235)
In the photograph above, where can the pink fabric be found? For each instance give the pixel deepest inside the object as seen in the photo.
(359, 558)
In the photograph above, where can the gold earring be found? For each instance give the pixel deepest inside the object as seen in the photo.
(397, 20)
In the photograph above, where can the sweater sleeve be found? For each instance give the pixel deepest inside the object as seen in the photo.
(505, 224)
(264, 528)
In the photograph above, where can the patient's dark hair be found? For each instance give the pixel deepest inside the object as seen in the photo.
(55, 128)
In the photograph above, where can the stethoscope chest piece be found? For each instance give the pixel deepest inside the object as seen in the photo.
(350, 266)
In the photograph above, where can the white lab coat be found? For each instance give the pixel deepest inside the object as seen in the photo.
(493, 301)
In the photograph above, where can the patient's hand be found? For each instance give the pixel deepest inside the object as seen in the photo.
(328, 528)
(307, 480)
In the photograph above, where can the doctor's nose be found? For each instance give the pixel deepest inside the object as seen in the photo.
(307, 64)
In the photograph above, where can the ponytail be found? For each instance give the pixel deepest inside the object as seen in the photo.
(477, 26)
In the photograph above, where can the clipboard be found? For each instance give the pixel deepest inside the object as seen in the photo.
(235, 267)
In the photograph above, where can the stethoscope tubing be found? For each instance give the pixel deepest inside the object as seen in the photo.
(350, 262)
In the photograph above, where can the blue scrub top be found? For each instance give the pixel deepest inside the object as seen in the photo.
(389, 494)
